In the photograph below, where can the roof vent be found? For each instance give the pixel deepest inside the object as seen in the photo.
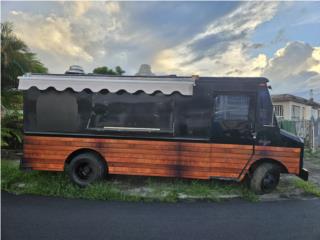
(144, 70)
(75, 69)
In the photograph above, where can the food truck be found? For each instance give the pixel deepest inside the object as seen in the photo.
(188, 127)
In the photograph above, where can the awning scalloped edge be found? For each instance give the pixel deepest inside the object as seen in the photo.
(149, 85)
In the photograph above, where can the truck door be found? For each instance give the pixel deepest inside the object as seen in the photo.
(233, 119)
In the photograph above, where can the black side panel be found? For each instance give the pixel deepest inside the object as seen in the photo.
(193, 114)
(57, 111)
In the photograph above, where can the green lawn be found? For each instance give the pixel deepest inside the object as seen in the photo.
(125, 188)
(307, 187)
(313, 157)
(134, 188)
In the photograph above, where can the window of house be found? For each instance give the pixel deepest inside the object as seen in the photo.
(278, 111)
(127, 112)
(295, 113)
(303, 113)
(232, 108)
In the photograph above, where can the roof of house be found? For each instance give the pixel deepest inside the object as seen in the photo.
(293, 98)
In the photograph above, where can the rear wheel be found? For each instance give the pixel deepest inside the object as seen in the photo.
(265, 178)
(86, 168)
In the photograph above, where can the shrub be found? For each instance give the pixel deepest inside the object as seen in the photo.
(11, 120)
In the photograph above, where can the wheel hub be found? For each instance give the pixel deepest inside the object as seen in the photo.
(269, 181)
(84, 171)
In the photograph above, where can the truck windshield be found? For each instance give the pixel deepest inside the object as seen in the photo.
(266, 116)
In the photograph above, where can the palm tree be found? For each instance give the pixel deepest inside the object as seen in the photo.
(16, 59)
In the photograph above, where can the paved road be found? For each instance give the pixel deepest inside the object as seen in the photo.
(33, 217)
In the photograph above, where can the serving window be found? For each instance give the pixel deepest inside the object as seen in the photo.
(131, 112)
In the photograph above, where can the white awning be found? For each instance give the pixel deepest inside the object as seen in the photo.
(95, 83)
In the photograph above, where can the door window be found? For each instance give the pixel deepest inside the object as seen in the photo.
(231, 108)
(233, 118)
(265, 116)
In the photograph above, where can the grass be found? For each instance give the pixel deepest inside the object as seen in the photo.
(124, 188)
(307, 187)
(54, 184)
(312, 156)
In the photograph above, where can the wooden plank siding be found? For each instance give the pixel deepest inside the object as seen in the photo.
(157, 158)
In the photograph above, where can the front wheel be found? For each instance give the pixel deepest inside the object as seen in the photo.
(86, 168)
(265, 178)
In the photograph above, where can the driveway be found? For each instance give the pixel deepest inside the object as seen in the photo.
(34, 217)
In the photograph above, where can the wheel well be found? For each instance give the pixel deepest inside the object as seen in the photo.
(85, 150)
(283, 168)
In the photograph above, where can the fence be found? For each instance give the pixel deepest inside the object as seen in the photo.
(309, 130)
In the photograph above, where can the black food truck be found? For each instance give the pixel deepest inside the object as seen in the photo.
(189, 127)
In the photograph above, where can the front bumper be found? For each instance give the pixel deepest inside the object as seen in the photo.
(304, 174)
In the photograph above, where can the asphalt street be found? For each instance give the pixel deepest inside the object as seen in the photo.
(35, 217)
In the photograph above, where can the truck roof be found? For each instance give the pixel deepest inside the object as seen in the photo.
(203, 78)
(113, 83)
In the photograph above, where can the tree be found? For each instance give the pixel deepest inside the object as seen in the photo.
(16, 59)
(108, 71)
(119, 70)
(104, 70)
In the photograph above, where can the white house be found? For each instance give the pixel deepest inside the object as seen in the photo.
(290, 107)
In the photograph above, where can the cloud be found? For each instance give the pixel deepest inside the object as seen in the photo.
(294, 69)
(90, 33)
(296, 56)
(49, 34)
(222, 48)
(112, 7)
(173, 39)
(80, 7)
(316, 57)
(15, 12)
(77, 34)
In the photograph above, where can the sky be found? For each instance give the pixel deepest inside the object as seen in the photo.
(277, 40)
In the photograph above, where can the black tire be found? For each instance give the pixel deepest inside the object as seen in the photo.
(265, 178)
(86, 168)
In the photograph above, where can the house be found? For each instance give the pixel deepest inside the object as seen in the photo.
(294, 108)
